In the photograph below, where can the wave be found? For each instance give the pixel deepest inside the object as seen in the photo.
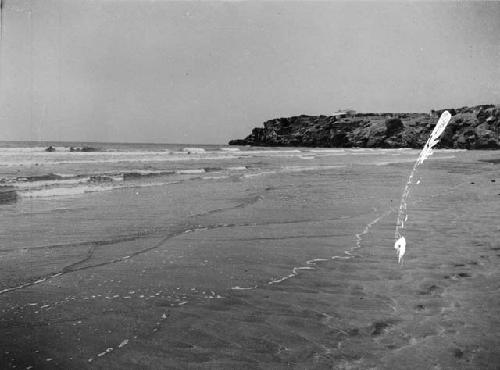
(308, 168)
(84, 189)
(194, 150)
(14, 158)
(49, 183)
(271, 152)
(69, 184)
(65, 175)
(192, 171)
(230, 149)
(63, 191)
(45, 177)
(52, 179)
(327, 150)
(106, 158)
(237, 168)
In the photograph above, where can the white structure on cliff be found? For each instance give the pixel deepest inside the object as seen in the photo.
(344, 113)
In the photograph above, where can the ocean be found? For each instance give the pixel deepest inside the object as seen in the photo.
(169, 256)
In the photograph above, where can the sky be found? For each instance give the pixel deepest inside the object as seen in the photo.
(208, 72)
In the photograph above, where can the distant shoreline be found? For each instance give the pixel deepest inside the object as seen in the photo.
(76, 143)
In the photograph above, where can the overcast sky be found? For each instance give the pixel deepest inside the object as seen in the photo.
(200, 72)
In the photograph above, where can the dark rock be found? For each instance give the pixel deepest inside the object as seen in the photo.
(100, 178)
(238, 142)
(393, 126)
(470, 128)
(83, 149)
(50, 149)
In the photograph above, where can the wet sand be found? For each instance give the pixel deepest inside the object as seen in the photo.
(254, 274)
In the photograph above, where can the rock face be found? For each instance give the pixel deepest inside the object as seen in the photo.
(470, 128)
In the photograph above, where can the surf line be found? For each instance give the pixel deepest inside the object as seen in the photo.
(312, 263)
(400, 241)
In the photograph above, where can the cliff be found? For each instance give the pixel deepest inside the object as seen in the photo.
(470, 128)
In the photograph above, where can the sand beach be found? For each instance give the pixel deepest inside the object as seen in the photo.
(279, 262)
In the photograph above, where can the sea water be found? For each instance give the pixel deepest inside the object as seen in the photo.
(66, 196)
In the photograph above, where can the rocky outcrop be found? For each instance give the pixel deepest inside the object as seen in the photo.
(83, 149)
(73, 149)
(470, 128)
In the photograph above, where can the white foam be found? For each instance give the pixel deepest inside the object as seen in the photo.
(148, 172)
(327, 150)
(237, 168)
(46, 183)
(230, 149)
(63, 191)
(314, 260)
(282, 279)
(65, 175)
(193, 171)
(117, 177)
(257, 174)
(194, 150)
(106, 157)
(215, 177)
(84, 189)
(280, 153)
(295, 270)
(308, 168)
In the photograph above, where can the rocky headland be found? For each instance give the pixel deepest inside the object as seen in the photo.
(470, 128)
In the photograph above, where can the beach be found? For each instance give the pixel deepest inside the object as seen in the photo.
(156, 257)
